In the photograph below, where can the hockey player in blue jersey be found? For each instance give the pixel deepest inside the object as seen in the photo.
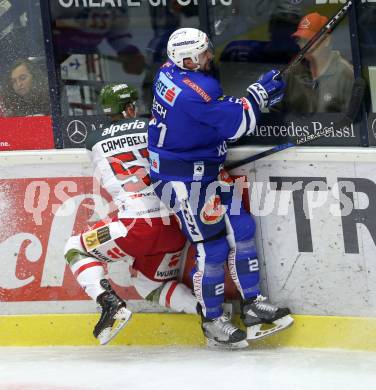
(192, 122)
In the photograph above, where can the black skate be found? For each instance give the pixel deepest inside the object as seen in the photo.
(114, 314)
(258, 311)
(220, 332)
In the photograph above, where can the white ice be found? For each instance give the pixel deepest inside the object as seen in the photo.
(183, 368)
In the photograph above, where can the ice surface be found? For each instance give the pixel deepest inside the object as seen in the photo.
(183, 368)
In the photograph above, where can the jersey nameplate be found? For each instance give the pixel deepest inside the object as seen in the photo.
(122, 142)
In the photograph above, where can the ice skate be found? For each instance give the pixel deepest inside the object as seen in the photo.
(114, 315)
(263, 319)
(220, 332)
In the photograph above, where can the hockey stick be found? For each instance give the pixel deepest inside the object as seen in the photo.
(318, 37)
(349, 117)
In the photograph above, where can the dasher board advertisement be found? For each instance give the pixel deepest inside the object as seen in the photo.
(315, 211)
(317, 230)
(41, 206)
(26, 133)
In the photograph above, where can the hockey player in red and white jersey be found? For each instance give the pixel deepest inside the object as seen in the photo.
(144, 230)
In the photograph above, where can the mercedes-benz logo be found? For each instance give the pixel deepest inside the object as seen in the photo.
(374, 127)
(77, 131)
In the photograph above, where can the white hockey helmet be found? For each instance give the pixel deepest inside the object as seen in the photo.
(187, 42)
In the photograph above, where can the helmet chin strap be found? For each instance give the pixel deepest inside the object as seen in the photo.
(200, 65)
(125, 114)
(197, 62)
(197, 68)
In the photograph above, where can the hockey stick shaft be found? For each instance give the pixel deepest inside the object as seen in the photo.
(349, 117)
(318, 37)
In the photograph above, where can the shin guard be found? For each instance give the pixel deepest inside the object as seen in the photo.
(244, 268)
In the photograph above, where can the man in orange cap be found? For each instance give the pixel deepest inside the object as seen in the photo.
(323, 81)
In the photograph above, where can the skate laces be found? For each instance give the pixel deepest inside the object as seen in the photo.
(262, 304)
(225, 324)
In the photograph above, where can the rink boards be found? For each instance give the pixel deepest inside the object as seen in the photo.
(316, 214)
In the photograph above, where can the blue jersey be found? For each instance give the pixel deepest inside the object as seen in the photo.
(193, 120)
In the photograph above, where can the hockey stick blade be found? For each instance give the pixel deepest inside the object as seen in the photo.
(356, 100)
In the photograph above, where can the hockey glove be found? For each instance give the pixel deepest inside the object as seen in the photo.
(268, 90)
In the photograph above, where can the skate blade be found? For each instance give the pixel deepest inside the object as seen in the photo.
(226, 346)
(256, 332)
(122, 318)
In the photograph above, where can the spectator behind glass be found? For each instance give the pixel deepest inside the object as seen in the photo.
(323, 81)
(26, 91)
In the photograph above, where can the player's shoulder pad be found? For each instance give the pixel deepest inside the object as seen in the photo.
(204, 87)
(117, 129)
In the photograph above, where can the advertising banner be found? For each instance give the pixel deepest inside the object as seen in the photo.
(75, 129)
(277, 129)
(273, 129)
(316, 232)
(36, 228)
(38, 214)
(26, 133)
